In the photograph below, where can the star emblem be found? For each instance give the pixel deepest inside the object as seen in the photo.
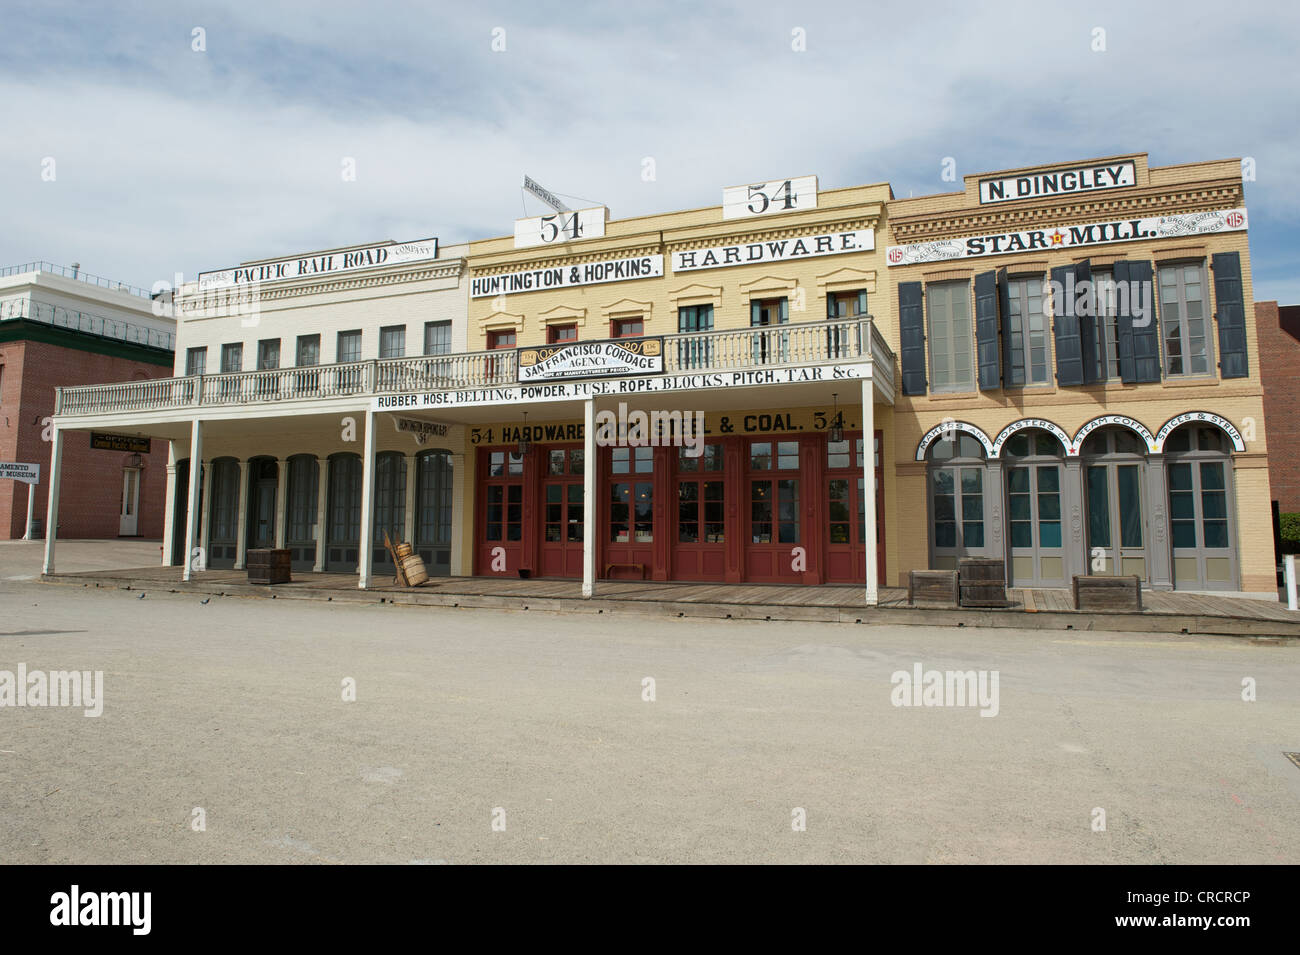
(1058, 237)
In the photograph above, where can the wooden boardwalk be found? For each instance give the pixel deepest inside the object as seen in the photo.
(1163, 612)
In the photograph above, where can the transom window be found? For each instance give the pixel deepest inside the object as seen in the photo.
(951, 352)
(504, 464)
(560, 461)
(710, 460)
(786, 457)
(1187, 346)
(632, 460)
(1028, 348)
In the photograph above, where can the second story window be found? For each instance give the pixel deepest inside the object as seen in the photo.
(308, 350)
(556, 334)
(1187, 345)
(842, 305)
(232, 358)
(349, 346)
(501, 339)
(627, 327)
(694, 352)
(196, 361)
(1105, 354)
(437, 338)
(1028, 349)
(392, 341)
(695, 318)
(268, 354)
(949, 320)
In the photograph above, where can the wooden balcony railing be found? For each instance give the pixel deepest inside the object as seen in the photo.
(808, 343)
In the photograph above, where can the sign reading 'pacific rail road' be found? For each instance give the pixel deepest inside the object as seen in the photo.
(1069, 237)
(328, 263)
(607, 359)
(774, 250)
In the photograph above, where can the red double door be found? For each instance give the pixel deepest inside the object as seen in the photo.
(763, 509)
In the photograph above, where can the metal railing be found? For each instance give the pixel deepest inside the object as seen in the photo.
(86, 322)
(807, 343)
(71, 273)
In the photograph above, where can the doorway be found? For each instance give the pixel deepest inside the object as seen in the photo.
(1034, 478)
(562, 513)
(263, 478)
(128, 522)
(1113, 473)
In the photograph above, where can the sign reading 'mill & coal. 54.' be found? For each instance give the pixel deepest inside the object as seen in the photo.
(641, 356)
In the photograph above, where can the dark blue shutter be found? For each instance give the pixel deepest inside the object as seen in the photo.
(1065, 327)
(1146, 335)
(1123, 325)
(1091, 334)
(1004, 310)
(911, 337)
(1230, 312)
(986, 330)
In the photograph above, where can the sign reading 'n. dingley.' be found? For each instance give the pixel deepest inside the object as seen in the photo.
(774, 250)
(608, 359)
(1069, 236)
(566, 276)
(1036, 185)
(326, 263)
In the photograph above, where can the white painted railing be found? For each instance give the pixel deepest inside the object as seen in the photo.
(803, 343)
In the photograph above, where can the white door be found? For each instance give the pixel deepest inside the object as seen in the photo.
(128, 520)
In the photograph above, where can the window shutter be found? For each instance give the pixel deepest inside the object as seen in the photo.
(1065, 328)
(1123, 324)
(911, 335)
(1146, 337)
(785, 311)
(862, 302)
(1004, 310)
(755, 314)
(1090, 333)
(1230, 313)
(986, 330)
(831, 314)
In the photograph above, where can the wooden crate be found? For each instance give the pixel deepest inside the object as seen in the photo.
(1107, 593)
(983, 582)
(268, 566)
(934, 586)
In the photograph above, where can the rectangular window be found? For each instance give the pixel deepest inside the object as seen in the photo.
(196, 361)
(502, 339)
(1028, 328)
(555, 334)
(349, 346)
(308, 350)
(232, 358)
(951, 354)
(437, 338)
(268, 354)
(843, 305)
(1105, 356)
(392, 341)
(695, 352)
(1183, 317)
(627, 328)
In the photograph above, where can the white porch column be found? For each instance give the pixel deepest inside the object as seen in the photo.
(869, 487)
(366, 557)
(193, 523)
(408, 527)
(241, 528)
(52, 506)
(169, 506)
(281, 499)
(322, 480)
(589, 499)
(31, 511)
(461, 499)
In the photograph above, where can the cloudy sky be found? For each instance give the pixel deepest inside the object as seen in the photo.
(169, 159)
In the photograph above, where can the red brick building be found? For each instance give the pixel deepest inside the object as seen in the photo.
(59, 327)
(1279, 361)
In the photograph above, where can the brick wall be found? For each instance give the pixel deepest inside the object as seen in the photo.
(91, 489)
(1279, 361)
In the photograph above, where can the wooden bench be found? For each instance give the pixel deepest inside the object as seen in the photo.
(1107, 593)
(932, 586)
(639, 568)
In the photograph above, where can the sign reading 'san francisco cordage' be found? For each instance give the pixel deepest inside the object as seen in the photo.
(1041, 185)
(1069, 236)
(328, 263)
(567, 276)
(774, 250)
(607, 359)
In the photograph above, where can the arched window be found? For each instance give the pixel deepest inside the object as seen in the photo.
(957, 489)
(1035, 535)
(1198, 463)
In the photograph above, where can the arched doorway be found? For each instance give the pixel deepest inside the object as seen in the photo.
(343, 533)
(1198, 471)
(960, 516)
(224, 514)
(1117, 512)
(1035, 472)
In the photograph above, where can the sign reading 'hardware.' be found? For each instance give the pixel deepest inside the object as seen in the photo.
(562, 276)
(608, 359)
(329, 263)
(120, 442)
(1069, 237)
(1037, 185)
(579, 390)
(774, 250)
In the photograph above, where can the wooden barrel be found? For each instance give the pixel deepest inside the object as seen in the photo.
(414, 570)
(403, 550)
(983, 582)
